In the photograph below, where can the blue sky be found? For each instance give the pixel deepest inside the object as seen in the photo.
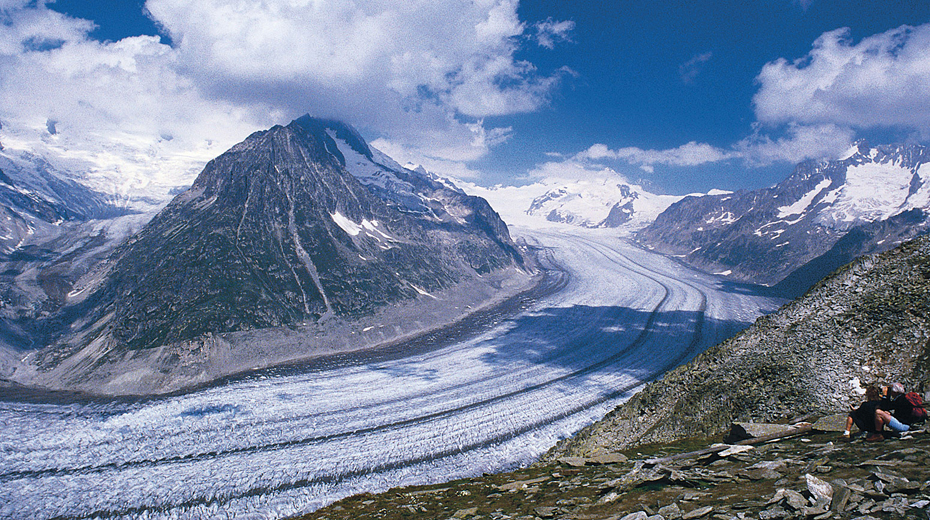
(683, 96)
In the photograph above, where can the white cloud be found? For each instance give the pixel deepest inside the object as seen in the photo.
(689, 154)
(365, 60)
(801, 142)
(422, 74)
(127, 122)
(446, 153)
(691, 68)
(550, 32)
(574, 169)
(883, 81)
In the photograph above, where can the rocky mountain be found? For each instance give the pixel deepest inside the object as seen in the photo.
(608, 202)
(300, 224)
(868, 323)
(763, 236)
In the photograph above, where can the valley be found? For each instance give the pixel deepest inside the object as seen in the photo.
(609, 317)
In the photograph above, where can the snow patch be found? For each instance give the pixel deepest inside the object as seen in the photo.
(421, 291)
(347, 225)
(802, 204)
(856, 386)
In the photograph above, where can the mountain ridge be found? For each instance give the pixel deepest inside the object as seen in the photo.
(762, 236)
(275, 233)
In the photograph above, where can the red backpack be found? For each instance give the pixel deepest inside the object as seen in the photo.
(919, 412)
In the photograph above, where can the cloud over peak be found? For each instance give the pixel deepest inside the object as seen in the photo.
(422, 74)
(882, 81)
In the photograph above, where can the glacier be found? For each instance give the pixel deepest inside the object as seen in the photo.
(610, 317)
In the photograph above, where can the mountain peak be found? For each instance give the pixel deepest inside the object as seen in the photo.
(278, 231)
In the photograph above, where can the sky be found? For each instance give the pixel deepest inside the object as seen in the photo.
(679, 96)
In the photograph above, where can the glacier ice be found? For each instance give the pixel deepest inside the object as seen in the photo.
(275, 444)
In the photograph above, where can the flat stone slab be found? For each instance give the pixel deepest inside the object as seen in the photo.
(831, 423)
(606, 458)
(743, 431)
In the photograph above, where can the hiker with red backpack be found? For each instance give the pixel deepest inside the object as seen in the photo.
(899, 411)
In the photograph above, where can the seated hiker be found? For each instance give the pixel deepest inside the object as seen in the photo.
(899, 410)
(864, 415)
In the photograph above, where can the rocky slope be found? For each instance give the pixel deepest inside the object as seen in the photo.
(868, 323)
(808, 477)
(51, 234)
(276, 232)
(763, 236)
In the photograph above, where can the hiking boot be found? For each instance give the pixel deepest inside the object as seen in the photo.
(875, 437)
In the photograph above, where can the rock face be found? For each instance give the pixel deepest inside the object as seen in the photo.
(866, 324)
(279, 232)
(880, 196)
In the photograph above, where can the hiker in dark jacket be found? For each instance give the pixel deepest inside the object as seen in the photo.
(864, 415)
(901, 410)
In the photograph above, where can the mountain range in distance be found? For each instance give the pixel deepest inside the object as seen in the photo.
(822, 216)
(825, 214)
(305, 232)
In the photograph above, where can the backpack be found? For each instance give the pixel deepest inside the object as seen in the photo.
(919, 412)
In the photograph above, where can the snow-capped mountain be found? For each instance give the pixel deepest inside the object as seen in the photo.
(607, 202)
(276, 232)
(34, 196)
(762, 236)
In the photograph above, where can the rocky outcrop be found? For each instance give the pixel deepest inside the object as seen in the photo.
(809, 477)
(868, 323)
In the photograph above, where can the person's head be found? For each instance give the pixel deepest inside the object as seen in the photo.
(896, 389)
(872, 393)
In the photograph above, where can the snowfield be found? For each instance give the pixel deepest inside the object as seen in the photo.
(608, 317)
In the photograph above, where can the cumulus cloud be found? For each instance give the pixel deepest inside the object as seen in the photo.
(882, 81)
(689, 154)
(574, 169)
(124, 119)
(797, 143)
(402, 67)
(800, 143)
(422, 74)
